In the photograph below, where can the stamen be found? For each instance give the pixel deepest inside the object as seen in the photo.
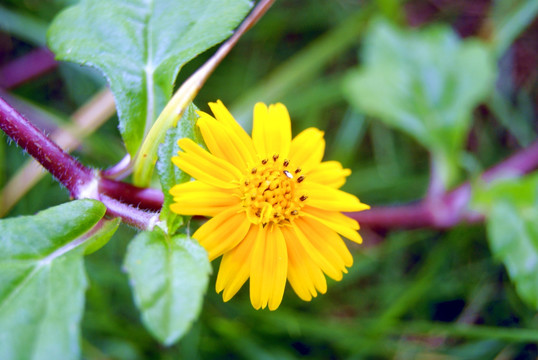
(269, 192)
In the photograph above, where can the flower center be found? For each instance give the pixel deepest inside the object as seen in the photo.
(271, 192)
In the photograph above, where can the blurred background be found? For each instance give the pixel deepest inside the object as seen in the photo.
(411, 294)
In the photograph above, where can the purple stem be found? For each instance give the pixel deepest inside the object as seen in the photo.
(144, 198)
(120, 170)
(27, 67)
(451, 208)
(144, 220)
(68, 171)
(81, 181)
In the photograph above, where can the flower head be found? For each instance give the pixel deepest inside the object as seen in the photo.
(275, 206)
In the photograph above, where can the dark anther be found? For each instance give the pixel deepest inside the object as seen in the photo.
(264, 161)
(275, 157)
(254, 170)
(258, 213)
(300, 179)
(247, 182)
(294, 212)
(286, 162)
(303, 198)
(298, 170)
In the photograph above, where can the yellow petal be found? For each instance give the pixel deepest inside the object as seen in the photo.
(223, 232)
(269, 268)
(330, 173)
(223, 115)
(328, 198)
(235, 266)
(327, 241)
(307, 149)
(198, 198)
(336, 221)
(304, 276)
(224, 143)
(324, 249)
(295, 234)
(271, 130)
(206, 167)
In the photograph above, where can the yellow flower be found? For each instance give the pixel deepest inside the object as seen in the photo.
(275, 206)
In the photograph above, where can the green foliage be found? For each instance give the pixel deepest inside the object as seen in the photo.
(425, 83)
(169, 277)
(510, 17)
(169, 174)
(42, 279)
(512, 212)
(140, 46)
(101, 235)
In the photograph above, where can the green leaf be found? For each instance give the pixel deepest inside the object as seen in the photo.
(42, 280)
(170, 174)
(511, 208)
(169, 277)
(101, 234)
(510, 18)
(140, 46)
(425, 83)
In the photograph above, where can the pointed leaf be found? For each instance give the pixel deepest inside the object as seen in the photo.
(425, 83)
(42, 280)
(140, 46)
(169, 278)
(511, 208)
(170, 174)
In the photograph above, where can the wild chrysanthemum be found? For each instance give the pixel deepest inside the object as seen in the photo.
(275, 206)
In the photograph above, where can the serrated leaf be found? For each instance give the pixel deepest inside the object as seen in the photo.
(511, 208)
(42, 281)
(169, 277)
(169, 174)
(140, 46)
(425, 83)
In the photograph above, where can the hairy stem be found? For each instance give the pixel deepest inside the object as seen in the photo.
(68, 171)
(80, 181)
